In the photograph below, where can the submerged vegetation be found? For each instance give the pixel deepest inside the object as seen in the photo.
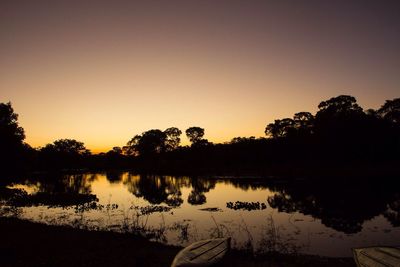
(340, 135)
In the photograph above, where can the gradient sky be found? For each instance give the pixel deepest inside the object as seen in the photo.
(103, 71)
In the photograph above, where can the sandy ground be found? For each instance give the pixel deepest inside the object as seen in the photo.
(24, 243)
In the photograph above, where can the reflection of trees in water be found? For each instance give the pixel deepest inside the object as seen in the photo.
(56, 190)
(114, 176)
(80, 183)
(166, 189)
(199, 187)
(196, 198)
(72, 184)
(341, 206)
(157, 189)
(248, 183)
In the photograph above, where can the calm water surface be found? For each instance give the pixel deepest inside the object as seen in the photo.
(324, 219)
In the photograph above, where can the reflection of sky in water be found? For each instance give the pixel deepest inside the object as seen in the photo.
(294, 228)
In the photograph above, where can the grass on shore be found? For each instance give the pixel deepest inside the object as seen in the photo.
(25, 243)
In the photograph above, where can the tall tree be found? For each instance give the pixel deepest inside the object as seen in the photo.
(303, 120)
(64, 154)
(132, 147)
(11, 136)
(68, 146)
(195, 134)
(303, 123)
(340, 105)
(148, 143)
(280, 128)
(172, 138)
(10, 132)
(341, 115)
(391, 111)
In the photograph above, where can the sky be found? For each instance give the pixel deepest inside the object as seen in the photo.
(103, 71)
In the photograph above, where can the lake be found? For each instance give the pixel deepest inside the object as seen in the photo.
(326, 218)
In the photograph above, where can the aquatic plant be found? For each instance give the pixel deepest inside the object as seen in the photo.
(153, 208)
(214, 209)
(239, 205)
(183, 230)
(273, 242)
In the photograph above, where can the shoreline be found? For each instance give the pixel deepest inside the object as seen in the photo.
(288, 171)
(26, 243)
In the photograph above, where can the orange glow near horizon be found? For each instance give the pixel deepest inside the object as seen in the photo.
(103, 72)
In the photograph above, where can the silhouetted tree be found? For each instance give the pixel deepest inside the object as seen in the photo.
(149, 143)
(340, 132)
(64, 153)
(11, 136)
(340, 105)
(304, 123)
(280, 128)
(202, 143)
(390, 111)
(67, 146)
(341, 128)
(372, 113)
(113, 159)
(172, 138)
(195, 134)
(9, 129)
(116, 150)
(132, 147)
(242, 140)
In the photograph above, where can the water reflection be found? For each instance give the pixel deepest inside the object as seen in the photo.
(57, 190)
(167, 189)
(199, 187)
(156, 189)
(343, 206)
(62, 183)
(114, 176)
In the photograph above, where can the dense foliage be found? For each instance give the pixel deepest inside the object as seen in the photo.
(340, 132)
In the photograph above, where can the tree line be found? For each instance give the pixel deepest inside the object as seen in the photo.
(341, 132)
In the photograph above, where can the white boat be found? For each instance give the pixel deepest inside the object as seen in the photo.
(202, 253)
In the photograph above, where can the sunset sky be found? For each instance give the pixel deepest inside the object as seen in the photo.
(102, 71)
